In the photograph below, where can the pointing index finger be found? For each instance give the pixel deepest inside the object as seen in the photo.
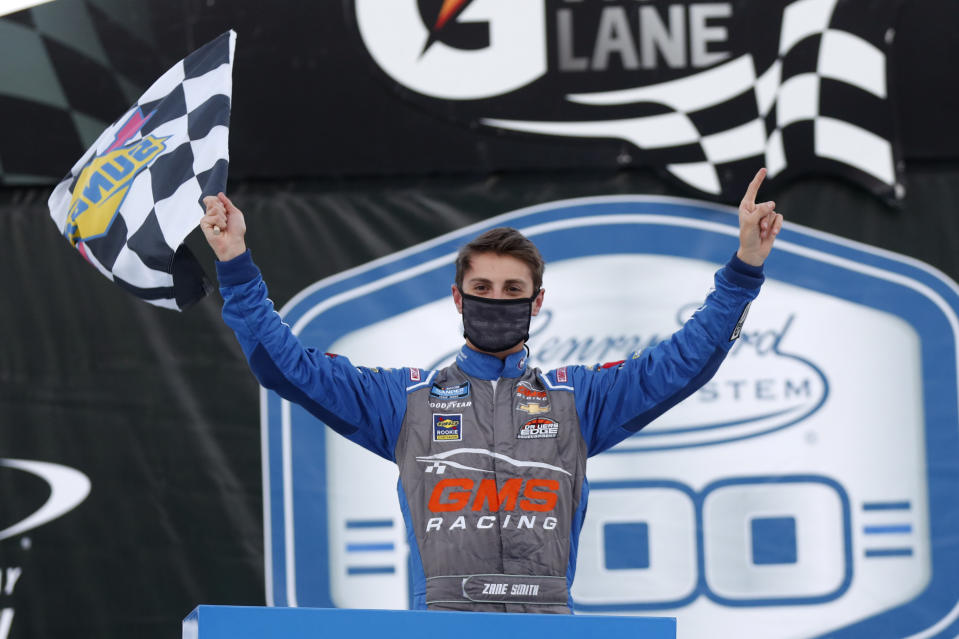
(753, 189)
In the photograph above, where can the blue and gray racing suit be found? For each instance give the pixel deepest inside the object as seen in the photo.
(491, 453)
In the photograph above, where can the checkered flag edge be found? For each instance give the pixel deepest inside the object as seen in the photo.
(828, 112)
(840, 96)
(184, 118)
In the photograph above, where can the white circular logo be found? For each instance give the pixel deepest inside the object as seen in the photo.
(470, 49)
(68, 488)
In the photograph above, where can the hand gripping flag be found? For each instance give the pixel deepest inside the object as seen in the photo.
(134, 196)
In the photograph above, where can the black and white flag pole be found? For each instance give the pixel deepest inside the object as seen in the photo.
(134, 196)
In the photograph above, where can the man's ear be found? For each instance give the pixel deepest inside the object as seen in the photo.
(538, 302)
(457, 299)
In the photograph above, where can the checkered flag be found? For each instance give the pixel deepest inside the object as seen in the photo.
(134, 196)
(820, 105)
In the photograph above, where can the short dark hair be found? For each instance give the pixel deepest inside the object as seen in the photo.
(502, 240)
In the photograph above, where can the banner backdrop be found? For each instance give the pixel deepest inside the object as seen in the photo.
(160, 415)
(802, 492)
(131, 463)
(701, 91)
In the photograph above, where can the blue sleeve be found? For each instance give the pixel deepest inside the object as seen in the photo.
(365, 405)
(616, 400)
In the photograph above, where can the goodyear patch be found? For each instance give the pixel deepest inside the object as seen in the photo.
(450, 392)
(539, 428)
(449, 404)
(447, 428)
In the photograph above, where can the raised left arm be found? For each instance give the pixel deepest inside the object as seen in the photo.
(616, 401)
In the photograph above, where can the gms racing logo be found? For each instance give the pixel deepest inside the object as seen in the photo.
(519, 498)
(685, 83)
(105, 182)
(514, 495)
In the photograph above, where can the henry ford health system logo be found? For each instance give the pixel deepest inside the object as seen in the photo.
(807, 490)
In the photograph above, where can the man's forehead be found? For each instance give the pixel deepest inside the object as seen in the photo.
(498, 267)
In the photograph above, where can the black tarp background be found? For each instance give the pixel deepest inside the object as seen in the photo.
(159, 408)
(161, 412)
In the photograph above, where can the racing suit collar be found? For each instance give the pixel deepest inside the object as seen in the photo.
(486, 366)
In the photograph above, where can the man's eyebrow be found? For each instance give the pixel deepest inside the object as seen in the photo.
(487, 282)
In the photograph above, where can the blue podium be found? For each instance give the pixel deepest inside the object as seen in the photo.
(249, 622)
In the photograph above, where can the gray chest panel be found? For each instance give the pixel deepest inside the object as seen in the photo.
(493, 479)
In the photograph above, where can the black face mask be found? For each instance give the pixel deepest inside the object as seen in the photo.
(496, 325)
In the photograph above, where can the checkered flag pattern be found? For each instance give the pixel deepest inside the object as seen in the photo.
(822, 105)
(134, 196)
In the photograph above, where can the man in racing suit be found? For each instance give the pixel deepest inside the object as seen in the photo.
(491, 452)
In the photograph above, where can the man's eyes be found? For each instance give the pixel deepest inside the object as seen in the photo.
(483, 288)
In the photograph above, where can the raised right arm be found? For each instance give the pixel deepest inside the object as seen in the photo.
(364, 405)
